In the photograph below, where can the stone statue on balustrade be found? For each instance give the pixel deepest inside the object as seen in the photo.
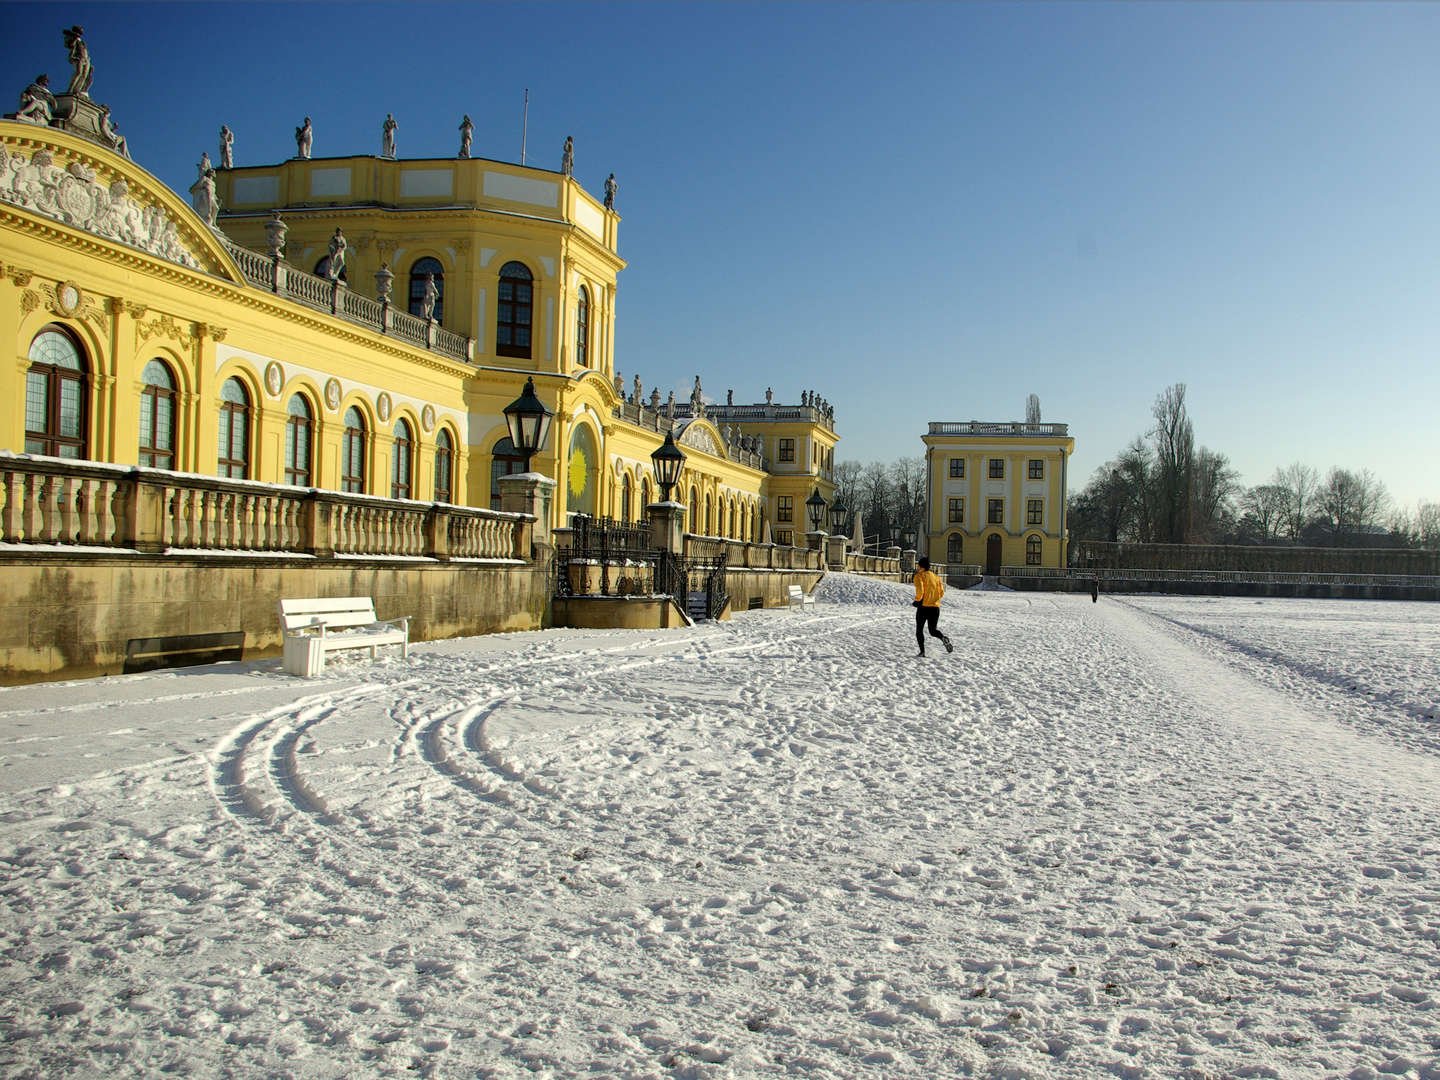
(639, 397)
(467, 132)
(112, 135)
(304, 139)
(619, 382)
(729, 397)
(37, 103)
(670, 406)
(202, 193)
(335, 265)
(427, 302)
(769, 396)
(80, 60)
(610, 188)
(697, 400)
(227, 148)
(567, 159)
(655, 400)
(387, 136)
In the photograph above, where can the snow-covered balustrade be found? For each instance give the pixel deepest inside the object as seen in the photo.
(79, 505)
(859, 563)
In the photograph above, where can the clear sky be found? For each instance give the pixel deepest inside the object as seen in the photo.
(923, 211)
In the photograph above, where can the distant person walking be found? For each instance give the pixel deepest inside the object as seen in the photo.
(928, 591)
(1094, 589)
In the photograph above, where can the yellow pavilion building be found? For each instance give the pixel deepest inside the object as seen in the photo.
(997, 494)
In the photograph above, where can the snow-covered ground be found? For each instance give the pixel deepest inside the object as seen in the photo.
(1149, 837)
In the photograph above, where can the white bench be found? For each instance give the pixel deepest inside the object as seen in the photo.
(799, 597)
(311, 628)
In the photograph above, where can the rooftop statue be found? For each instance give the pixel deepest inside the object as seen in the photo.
(567, 160)
(304, 138)
(610, 188)
(427, 302)
(113, 136)
(338, 246)
(80, 59)
(37, 104)
(387, 136)
(227, 148)
(202, 192)
(467, 132)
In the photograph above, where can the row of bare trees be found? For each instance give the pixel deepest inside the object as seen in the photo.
(887, 499)
(1163, 489)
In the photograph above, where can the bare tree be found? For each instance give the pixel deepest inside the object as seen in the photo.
(875, 496)
(1213, 487)
(1173, 438)
(1299, 483)
(1138, 473)
(1263, 508)
(908, 477)
(1350, 503)
(847, 488)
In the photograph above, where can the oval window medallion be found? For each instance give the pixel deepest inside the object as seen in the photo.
(332, 394)
(427, 418)
(274, 377)
(382, 407)
(67, 298)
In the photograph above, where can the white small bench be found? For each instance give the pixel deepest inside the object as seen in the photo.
(311, 628)
(798, 597)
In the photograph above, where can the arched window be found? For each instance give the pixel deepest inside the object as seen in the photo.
(400, 458)
(513, 313)
(503, 461)
(298, 426)
(582, 328)
(352, 452)
(234, 430)
(55, 393)
(645, 498)
(444, 466)
(625, 508)
(157, 416)
(955, 549)
(421, 268)
(692, 513)
(1032, 550)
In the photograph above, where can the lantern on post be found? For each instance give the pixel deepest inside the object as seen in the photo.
(909, 537)
(816, 506)
(837, 517)
(529, 422)
(668, 460)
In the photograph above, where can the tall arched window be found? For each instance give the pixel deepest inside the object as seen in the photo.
(55, 393)
(444, 466)
(645, 498)
(352, 452)
(513, 313)
(1032, 550)
(298, 426)
(503, 461)
(955, 549)
(625, 501)
(692, 513)
(422, 267)
(400, 460)
(234, 430)
(582, 328)
(157, 416)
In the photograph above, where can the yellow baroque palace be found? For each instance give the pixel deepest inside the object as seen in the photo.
(359, 324)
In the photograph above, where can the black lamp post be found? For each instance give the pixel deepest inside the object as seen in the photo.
(837, 517)
(529, 422)
(816, 505)
(909, 537)
(669, 459)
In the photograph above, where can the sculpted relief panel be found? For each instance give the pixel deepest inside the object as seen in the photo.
(74, 195)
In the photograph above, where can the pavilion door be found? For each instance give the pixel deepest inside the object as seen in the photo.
(992, 554)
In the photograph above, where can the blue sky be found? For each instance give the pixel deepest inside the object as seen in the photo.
(924, 211)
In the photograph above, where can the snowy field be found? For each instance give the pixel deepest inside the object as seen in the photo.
(1150, 837)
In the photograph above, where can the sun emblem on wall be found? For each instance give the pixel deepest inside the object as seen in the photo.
(579, 472)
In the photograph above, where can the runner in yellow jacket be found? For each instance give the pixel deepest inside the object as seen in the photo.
(928, 591)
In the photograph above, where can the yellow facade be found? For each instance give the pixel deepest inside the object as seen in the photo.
(331, 388)
(997, 494)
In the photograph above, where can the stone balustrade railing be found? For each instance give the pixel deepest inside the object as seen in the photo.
(740, 555)
(323, 294)
(1004, 428)
(1104, 574)
(856, 563)
(46, 502)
